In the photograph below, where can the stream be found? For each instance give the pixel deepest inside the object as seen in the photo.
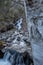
(4, 60)
(15, 58)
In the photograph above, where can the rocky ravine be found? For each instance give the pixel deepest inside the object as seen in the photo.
(20, 41)
(16, 48)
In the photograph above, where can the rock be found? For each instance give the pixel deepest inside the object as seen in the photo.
(27, 58)
(18, 39)
(3, 29)
(22, 44)
(1, 54)
(17, 58)
(9, 27)
(12, 12)
(30, 2)
(21, 58)
(2, 45)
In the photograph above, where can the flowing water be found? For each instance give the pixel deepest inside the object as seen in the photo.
(18, 24)
(12, 57)
(4, 60)
(35, 28)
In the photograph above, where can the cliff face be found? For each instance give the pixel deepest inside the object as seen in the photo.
(35, 28)
(35, 19)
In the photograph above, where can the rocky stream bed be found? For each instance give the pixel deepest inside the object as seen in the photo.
(21, 42)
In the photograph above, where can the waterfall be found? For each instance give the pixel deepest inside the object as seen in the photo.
(4, 60)
(18, 24)
(6, 56)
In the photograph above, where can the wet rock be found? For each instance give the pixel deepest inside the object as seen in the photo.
(27, 58)
(16, 11)
(9, 27)
(3, 29)
(17, 58)
(30, 2)
(1, 54)
(18, 38)
(27, 42)
(21, 58)
(2, 45)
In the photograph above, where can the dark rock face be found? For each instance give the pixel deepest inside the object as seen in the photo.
(30, 2)
(8, 27)
(1, 54)
(3, 30)
(17, 58)
(27, 59)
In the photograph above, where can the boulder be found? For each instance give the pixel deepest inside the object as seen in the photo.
(1, 54)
